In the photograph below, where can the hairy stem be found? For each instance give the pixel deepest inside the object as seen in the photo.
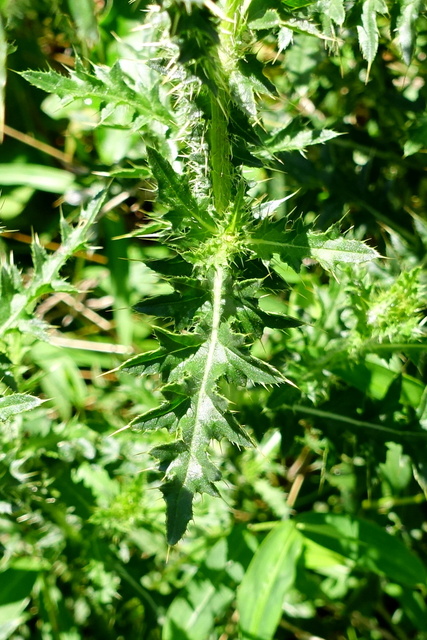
(220, 154)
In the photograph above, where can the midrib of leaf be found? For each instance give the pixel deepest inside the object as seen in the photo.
(310, 246)
(217, 303)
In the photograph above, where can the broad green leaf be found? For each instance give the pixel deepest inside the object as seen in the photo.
(368, 31)
(413, 605)
(409, 12)
(367, 545)
(36, 176)
(17, 403)
(374, 378)
(15, 590)
(270, 575)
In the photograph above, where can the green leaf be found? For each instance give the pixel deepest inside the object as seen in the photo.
(17, 300)
(131, 173)
(265, 209)
(269, 20)
(17, 403)
(295, 137)
(417, 137)
(110, 85)
(181, 307)
(36, 176)
(194, 612)
(270, 575)
(293, 246)
(187, 471)
(15, 590)
(334, 9)
(368, 31)
(176, 193)
(191, 365)
(409, 12)
(243, 93)
(397, 469)
(365, 544)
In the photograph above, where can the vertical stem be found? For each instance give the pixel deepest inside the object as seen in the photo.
(220, 153)
(220, 149)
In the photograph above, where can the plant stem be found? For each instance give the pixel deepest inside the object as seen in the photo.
(220, 153)
(220, 149)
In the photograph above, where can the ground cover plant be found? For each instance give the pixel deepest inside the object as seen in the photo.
(212, 342)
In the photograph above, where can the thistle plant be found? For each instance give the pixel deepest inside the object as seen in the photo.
(202, 125)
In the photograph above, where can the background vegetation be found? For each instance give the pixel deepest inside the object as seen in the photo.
(320, 531)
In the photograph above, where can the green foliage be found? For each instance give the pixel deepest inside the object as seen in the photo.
(250, 281)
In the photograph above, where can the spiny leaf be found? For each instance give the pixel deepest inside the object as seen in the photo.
(295, 138)
(191, 365)
(368, 32)
(293, 245)
(17, 300)
(181, 307)
(176, 193)
(174, 348)
(17, 403)
(109, 85)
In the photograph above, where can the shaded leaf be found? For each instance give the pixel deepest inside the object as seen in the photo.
(366, 544)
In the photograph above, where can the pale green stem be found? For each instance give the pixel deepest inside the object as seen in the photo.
(220, 154)
(220, 149)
